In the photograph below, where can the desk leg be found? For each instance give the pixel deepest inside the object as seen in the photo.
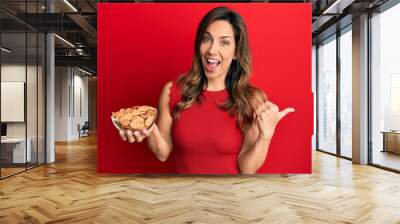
(384, 142)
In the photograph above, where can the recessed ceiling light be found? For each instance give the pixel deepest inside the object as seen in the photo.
(64, 40)
(84, 71)
(5, 50)
(70, 5)
(337, 7)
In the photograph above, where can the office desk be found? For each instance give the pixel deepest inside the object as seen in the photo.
(15, 148)
(391, 141)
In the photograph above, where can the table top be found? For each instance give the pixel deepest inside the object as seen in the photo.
(391, 132)
(13, 140)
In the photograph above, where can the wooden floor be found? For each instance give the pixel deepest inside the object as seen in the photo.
(8, 171)
(71, 191)
(5, 172)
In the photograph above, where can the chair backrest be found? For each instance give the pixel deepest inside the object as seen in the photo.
(86, 125)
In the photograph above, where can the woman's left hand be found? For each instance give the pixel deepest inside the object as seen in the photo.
(268, 116)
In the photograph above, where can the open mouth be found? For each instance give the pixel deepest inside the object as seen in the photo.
(212, 64)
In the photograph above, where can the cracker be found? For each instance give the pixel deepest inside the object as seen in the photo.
(149, 121)
(137, 123)
(136, 118)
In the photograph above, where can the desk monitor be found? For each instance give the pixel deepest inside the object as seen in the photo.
(3, 129)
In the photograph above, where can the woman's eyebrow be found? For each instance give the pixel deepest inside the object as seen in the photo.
(221, 37)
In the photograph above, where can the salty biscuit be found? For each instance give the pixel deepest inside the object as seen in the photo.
(137, 123)
(136, 112)
(125, 120)
(149, 122)
(141, 109)
(135, 118)
(147, 115)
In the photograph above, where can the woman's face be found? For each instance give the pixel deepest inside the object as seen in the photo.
(217, 49)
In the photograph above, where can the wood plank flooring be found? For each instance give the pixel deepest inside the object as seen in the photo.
(10, 171)
(71, 191)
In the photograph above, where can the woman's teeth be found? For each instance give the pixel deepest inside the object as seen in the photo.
(212, 60)
(212, 63)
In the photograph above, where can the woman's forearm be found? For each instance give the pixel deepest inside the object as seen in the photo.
(158, 145)
(251, 160)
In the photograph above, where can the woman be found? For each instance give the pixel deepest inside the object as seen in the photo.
(215, 121)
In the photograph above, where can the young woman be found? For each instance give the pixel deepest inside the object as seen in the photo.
(213, 119)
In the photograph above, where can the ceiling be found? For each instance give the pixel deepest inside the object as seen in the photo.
(76, 22)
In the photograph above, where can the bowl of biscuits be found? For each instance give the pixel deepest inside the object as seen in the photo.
(137, 118)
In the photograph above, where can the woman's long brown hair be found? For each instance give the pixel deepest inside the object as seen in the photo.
(242, 95)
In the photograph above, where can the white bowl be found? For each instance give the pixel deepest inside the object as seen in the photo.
(116, 123)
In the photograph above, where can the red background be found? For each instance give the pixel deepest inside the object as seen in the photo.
(141, 46)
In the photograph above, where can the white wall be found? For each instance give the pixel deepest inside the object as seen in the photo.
(14, 72)
(61, 103)
(71, 93)
(80, 102)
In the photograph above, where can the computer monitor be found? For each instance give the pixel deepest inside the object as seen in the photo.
(3, 129)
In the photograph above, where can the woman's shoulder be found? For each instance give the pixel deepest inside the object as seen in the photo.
(166, 90)
(168, 86)
(171, 89)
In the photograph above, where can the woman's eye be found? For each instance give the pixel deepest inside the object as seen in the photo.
(206, 39)
(224, 43)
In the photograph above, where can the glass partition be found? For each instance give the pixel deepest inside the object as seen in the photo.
(346, 93)
(14, 153)
(22, 88)
(385, 88)
(327, 95)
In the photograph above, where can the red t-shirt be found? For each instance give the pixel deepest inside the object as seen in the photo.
(206, 139)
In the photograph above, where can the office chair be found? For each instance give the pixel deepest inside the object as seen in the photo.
(84, 130)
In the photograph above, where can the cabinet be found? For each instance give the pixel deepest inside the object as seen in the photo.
(391, 141)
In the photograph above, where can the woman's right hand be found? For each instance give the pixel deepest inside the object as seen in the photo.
(135, 136)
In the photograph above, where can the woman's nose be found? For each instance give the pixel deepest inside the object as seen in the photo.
(213, 48)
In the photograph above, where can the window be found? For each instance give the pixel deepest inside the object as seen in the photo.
(385, 88)
(327, 95)
(346, 92)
